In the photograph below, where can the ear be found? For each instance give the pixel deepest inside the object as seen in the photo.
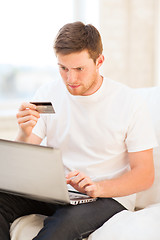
(99, 61)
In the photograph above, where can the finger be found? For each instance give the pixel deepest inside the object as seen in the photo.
(68, 181)
(30, 123)
(92, 190)
(79, 178)
(28, 112)
(85, 182)
(25, 105)
(27, 119)
(72, 174)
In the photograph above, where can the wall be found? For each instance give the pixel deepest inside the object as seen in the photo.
(128, 29)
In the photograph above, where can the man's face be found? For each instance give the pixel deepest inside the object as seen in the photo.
(79, 72)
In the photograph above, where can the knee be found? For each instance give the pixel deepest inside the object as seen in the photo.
(62, 224)
(63, 217)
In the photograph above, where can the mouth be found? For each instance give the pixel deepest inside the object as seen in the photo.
(74, 85)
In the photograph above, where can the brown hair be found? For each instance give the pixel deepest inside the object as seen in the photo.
(75, 37)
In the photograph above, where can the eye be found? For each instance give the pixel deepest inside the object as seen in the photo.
(63, 68)
(79, 69)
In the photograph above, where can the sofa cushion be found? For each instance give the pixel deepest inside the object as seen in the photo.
(152, 195)
(140, 225)
(27, 227)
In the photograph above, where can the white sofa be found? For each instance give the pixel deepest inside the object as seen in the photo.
(142, 224)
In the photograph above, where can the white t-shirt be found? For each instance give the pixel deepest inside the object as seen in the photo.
(95, 132)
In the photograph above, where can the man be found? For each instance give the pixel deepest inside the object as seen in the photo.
(103, 131)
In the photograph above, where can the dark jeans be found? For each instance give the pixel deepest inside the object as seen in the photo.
(63, 222)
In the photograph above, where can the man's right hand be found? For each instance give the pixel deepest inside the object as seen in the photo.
(27, 118)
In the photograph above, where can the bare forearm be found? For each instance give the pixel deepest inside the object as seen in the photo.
(131, 182)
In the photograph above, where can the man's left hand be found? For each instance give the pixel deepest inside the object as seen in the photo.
(83, 183)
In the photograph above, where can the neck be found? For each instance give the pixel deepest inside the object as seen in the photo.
(98, 84)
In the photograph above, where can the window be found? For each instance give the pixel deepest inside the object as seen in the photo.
(28, 29)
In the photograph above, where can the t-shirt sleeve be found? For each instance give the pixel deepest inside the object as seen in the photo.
(140, 133)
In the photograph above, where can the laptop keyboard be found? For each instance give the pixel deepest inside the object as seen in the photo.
(74, 195)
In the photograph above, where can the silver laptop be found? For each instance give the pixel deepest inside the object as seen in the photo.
(35, 172)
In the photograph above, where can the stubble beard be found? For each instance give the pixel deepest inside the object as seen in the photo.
(83, 89)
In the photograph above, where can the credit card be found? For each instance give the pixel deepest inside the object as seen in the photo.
(44, 107)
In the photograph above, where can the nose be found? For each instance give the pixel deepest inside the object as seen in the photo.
(71, 76)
